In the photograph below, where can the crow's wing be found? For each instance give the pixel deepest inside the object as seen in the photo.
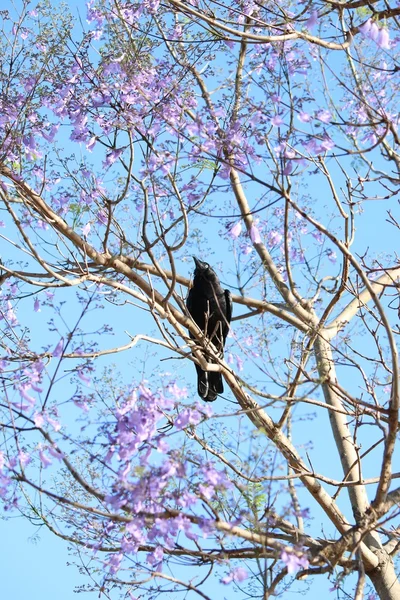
(228, 300)
(228, 313)
(189, 301)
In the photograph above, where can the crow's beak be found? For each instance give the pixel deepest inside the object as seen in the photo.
(200, 265)
(197, 262)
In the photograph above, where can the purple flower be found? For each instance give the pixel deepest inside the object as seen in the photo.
(86, 229)
(24, 458)
(366, 28)
(91, 143)
(102, 217)
(255, 234)
(277, 120)
(304, 117)
(331, 255)
(51, 135)
(46, 462)
(113, 156)
(114, 562)
(29, 142)
(288, 168)
(58, 350)
(238, 574)
(235, 230)
(152, 6)
(374, 32)
(313, 19)
(55, 453)
(383, 40)
(55, 424)
(23, 393)
(239, 363)
(38, 419)
(187, 417)
(294, 562)
(327, 142)
(36, 306)
(370, 138)
(9, 315)
(246, 248)
(84, 377)
(324, 115)
(187, 499)
(207, 491)
(318, 236)
(275, 237)
(156, 557)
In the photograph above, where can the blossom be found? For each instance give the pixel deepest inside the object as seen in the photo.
(383, 40)
(374, 32)
(239, 363)
(371, 30)
(156, 557)
(58, 350)
(23, 393)
(152, 6)
(86, 229)
(38, 419)
(312, 20)
(238, 574)
(46, 462)
(102, 217)
(327, 142)
(277, 120)
(113, 156)
(9, 315)
(55, 453)
(235, 230)
(84, 377)
(288, 168)
(114, 562)
(187, 417)
(36, 305)
(318, 236)
(274, 237)
(324, 115)
(255, 234)
(293, 561)
(49, 137)
(331, 255)
(55, 424)
(366, 27)
(91, 143)
(304, 117)
(207, 491)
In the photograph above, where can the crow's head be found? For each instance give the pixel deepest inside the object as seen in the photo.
(203, 272)
(201, 267)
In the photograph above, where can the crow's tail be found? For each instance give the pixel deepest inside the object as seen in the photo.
(209, 384)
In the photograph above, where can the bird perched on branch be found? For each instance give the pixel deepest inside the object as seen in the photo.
(210, 307)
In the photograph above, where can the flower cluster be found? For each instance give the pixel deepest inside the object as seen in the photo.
(381, 36)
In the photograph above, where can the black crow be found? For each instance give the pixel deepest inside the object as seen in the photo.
(211, 309)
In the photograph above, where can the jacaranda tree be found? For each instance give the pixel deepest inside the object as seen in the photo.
(262, 138)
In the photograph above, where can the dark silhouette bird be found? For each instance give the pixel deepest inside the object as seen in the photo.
(210, 307)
